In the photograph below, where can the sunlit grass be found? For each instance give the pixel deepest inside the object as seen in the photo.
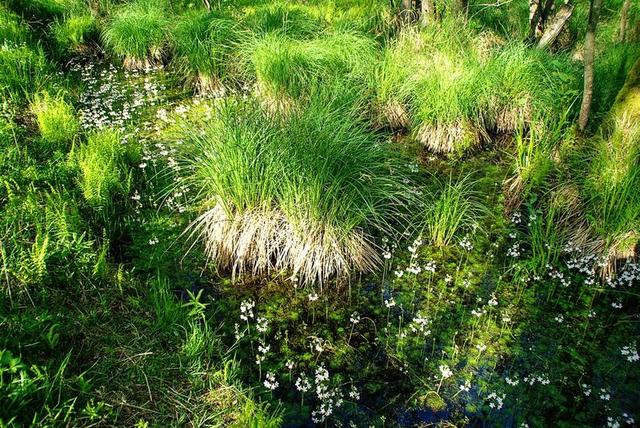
(204, 48)
(56, 120)
(287, 69)
(307, 194)
(456, 206)
(138, 33)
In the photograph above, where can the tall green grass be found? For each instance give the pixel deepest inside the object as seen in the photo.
(455, 88)
(455, 206)
(294, 20)
(205, 45)
(12, 29)
(138, 33)
(289, 69)
(22, 71)
(307, 193)
(56, 120)
(73, 33)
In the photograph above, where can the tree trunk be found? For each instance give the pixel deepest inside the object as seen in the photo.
(622, 36)
(428, 12)
(556, 25)
(589, 54)
(539, 11)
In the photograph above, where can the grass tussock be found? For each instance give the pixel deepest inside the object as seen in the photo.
(57, 123)
(454, 89)
(74, 33)
(287, 69)
(137, 33)
(305, 194)
(454, 207)
(204, 45)
(293, 20)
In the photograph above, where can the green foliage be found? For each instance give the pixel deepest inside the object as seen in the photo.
(454, 207)
(43, 239)
(22, 70)
(74, 32)
(318, 173)
(57, 122)
(12, 29)
(466, 86)
(47, 9)
(138, 32)
(103, 172)
(290, 68)
(204, 47)
(295, 21)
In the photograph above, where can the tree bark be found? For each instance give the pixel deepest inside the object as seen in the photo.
(624, 13)
(427, 12)
(556, 25)
(589, 54)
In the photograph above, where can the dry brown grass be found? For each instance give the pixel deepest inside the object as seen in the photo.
(260, 241)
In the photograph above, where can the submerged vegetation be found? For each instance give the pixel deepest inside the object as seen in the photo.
(340, 213)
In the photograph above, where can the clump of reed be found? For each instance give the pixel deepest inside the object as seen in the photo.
(204, 45)
(293, 20)
(453, 88)
(138, 33)
(307, 192)
(73, 33)
(287, 69)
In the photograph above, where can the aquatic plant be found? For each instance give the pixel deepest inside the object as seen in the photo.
(138, 33)
(307, 193)
(204, 45)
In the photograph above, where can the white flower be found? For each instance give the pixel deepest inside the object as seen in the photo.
(270, 381)
(445, 371)
(313, 297)
(302, 383)
(354, 394)
(262, 324)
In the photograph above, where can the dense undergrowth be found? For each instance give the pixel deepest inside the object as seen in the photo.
(299, 213)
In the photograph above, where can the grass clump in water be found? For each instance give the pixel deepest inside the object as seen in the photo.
(454, 89)
(295, 21)
(73, 33)
(288, 69)
(455, 206)
(56, 120)
(137, 33)
(204, 44)
(305, 194)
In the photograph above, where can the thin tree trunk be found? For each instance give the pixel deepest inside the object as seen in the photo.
(428, 12)
(589, 54)
(553, 29)
(623, 21)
